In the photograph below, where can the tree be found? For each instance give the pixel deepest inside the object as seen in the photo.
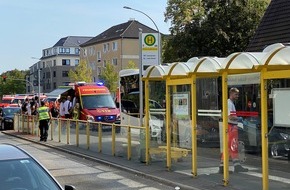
(132, 65)
(81, 73)
(211, 27)
(110, 77)
(15, 82)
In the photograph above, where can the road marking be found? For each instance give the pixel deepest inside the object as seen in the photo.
(130, 183)
(271, 177)
(251, 172)
(209, 170)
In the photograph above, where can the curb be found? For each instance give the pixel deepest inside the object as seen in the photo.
(110, 164)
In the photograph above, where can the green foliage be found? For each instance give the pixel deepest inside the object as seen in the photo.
(110, 77)
(132, 65)
(211, 27)
(15, 82)
(81, 73)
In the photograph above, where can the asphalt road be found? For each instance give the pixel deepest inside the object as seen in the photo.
(82, 173)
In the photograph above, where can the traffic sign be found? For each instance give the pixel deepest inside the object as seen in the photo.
(150, 49)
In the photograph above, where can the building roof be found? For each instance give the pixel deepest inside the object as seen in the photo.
(274, 26)
(128, 29)
(71, 41)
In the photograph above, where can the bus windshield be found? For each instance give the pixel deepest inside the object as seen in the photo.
(98, 101)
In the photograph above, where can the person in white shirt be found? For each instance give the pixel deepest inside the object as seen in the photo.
(67, 107)
(233, 134)
(61, 108)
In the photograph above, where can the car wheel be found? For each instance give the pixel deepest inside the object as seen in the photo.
(241, 150)
(273, 152)
(3, 126)
(163, 134)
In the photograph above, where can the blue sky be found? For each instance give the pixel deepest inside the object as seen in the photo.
(28, 26)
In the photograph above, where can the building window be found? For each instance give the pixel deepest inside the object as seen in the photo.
(108, 46)
(92, 51)
(99, 56)
(77, 51)
(61, 50)
(64, 73)
(54, 51)
(54, 62)
(64, 50)
(65, 83)
(54, 73)
(115, 61)
(65, 62)
(105, 48)
(99, 70)
(115, 46)
(54, 85)
(104, 63)
(77, 62)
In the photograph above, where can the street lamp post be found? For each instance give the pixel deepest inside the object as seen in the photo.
(140, 79)
(159, 47)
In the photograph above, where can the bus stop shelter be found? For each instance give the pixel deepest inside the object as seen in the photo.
(272, 63)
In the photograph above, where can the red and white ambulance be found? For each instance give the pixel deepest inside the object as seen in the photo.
(96, 103)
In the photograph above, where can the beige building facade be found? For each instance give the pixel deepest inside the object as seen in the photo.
(119, 46)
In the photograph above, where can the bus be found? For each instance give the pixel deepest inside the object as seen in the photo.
(129, 104)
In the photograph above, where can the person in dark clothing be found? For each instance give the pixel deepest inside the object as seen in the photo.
(53, 110)
(33, 106)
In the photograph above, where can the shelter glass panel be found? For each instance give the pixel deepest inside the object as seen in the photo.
(278, 133)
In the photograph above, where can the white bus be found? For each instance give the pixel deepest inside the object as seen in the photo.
(129, 102)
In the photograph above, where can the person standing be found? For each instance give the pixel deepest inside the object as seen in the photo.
(61, 108)
(68, 107)
(26, 107)
(53, 109)
(233, 141)
(44, 117)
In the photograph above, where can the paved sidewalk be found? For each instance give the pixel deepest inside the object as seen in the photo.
(153, 171)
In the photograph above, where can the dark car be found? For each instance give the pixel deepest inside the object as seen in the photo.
(20, 171)
(279, 142)
(278, 137)
(7, 117)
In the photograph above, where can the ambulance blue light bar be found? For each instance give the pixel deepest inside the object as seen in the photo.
(100, 84)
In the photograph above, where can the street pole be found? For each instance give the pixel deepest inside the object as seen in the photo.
(39, 86)
(159, 36)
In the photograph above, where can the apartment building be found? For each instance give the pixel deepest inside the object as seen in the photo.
(117, 45)
(53, 67)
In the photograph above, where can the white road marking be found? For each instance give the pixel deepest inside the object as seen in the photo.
(251, 172)
(271, 177)
(130, 183)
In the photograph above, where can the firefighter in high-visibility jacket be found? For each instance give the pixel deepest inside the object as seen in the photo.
(44, 117)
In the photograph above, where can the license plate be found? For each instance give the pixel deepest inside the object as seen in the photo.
(106, 127)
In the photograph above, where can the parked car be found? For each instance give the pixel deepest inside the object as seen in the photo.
(7, 117)
(279, 142)
(20, 171)
(278, 137)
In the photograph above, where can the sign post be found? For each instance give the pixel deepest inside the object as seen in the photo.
(150, 50)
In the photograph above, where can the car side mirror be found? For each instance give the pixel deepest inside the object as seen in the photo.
(69, 187)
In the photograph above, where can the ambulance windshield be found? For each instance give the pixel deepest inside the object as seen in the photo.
(98, 101)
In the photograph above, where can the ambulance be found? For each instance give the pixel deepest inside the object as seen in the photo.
(6, 100)
(96, 103)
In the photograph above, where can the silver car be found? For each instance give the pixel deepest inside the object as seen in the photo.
(20, 171)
